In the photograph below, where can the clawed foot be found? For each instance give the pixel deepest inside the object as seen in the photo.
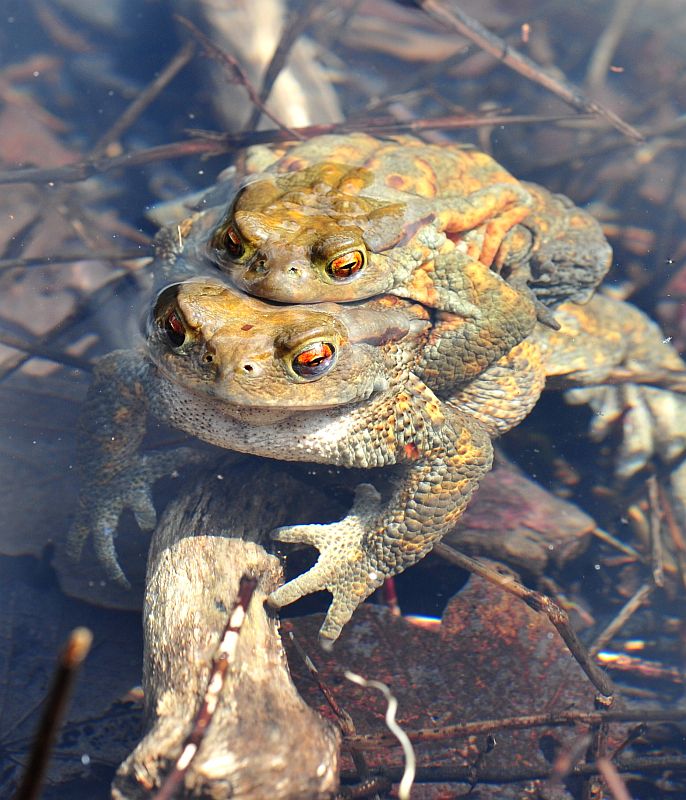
(346, 567)
(102, 502)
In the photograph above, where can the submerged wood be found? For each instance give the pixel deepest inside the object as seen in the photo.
(263, 741)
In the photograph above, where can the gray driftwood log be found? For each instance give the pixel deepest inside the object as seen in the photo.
(264, 741)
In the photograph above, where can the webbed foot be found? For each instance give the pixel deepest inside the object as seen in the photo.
(346, 567)
(103, 499)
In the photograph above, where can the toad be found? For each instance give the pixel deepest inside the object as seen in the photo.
(322, 383)
(348, 385)
(341, 218)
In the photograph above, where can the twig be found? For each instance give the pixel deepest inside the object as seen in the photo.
(468, 27)
(640, 666)
(597, 750)
(410, 762)
(538, 602)
(84, 305)
(607, 43)
(345, 721)
(82, 170)
(235, 69)
(207, 143)
(290, 35)
(58, 31)
(70, 660)
(675, 533)
(517, 775)
(656, 556)
(224, 656)
(68, 258)
(144, 99)
(613, 541)
(565, 761)
(613, 779)
(38, 350)
(550, 720)
(627, 611)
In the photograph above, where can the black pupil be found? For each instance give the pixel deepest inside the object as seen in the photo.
(233, 246)
(308, 365)
(174, 330)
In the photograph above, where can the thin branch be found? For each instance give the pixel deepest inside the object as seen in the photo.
(38, 350)
(517, 775)
(407, 778)
(224, 656)
(627, 611)
(289, 37)
(235, 69)
(70, 661)
(608, 42)
(69, 258)
(345, 721)
(550, 720)
(208, 143)
(144, 99)
(455, 19)
(656, 555)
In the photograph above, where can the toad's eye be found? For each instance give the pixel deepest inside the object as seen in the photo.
(315, 360)
(175, 330)
(347, 265)
(228, 240)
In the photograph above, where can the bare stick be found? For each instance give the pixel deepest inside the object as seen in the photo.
(70, 660)
(552, 720)
(220, 665)
(38, 350)
(235, 69)
(608, 41)
(144, 99)
(68, 258)
(676, 534)
(613, 779)
(468, 27)
(518, 774)
(656, 556)
(290, 35)
(628, 610)
(538, 602)
(345, 721)
(207, 143)
(409, 772)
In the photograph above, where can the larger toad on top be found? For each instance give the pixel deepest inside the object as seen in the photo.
(342, 218)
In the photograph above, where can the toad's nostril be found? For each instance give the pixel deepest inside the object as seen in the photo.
(248, 368)
(293, 271)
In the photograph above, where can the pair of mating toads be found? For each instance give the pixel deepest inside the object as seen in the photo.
(388, 302)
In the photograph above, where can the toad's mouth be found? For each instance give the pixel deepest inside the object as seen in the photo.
(229, 400)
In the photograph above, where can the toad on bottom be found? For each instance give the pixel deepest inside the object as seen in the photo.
(346, 384)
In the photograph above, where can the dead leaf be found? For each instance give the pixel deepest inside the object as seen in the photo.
(492, 657)
(514, 519)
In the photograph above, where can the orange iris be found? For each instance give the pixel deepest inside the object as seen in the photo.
(347, 265)
(314, 361)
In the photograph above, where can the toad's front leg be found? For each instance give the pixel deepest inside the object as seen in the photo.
(441, 457)
(114, 474)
